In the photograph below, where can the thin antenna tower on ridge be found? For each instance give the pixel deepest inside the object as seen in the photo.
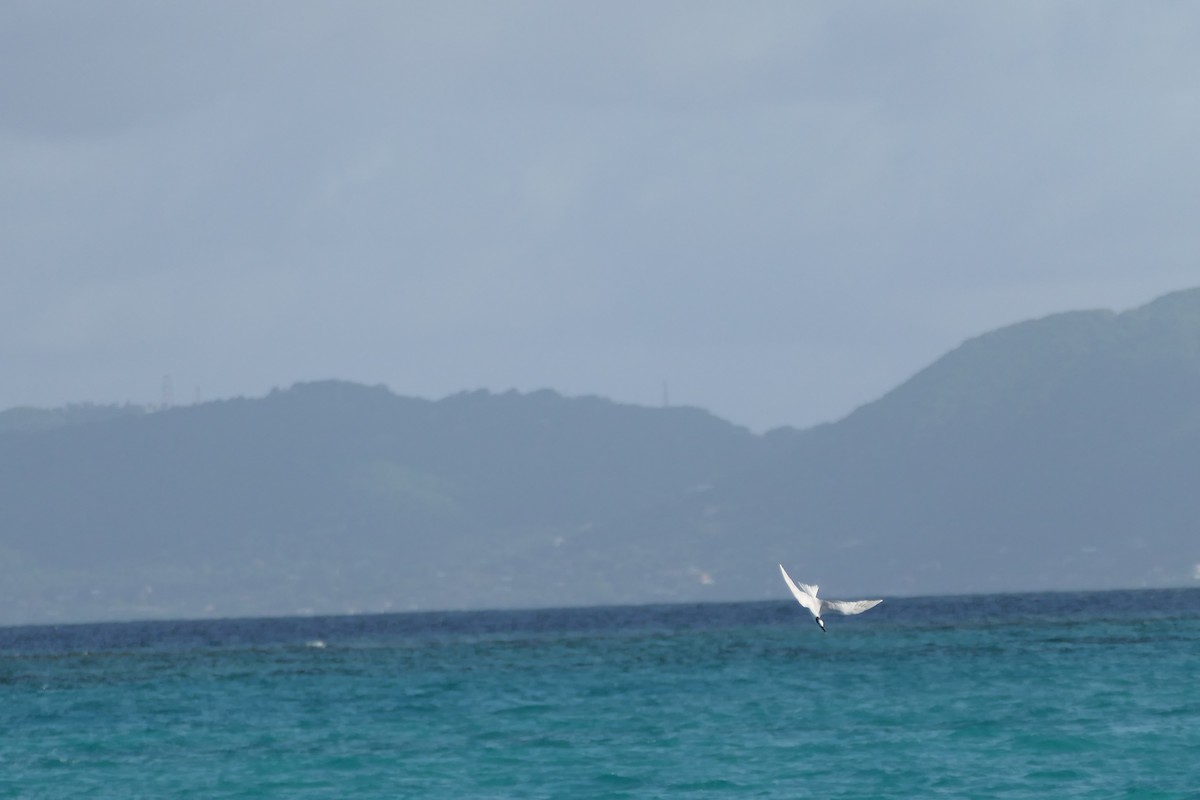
(168, 393)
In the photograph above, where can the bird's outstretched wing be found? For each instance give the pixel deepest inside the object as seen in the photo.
(849, 606)
(804, 598)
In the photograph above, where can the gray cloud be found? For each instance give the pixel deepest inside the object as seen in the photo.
(781, 209)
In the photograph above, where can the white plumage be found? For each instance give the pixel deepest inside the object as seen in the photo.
(806, 596)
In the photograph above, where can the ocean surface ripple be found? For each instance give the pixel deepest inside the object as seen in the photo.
(1075, 695)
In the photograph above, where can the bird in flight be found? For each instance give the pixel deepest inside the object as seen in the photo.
(807, 596)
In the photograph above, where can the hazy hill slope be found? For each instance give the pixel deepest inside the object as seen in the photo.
(31, 420)
(1053, 454)
(332, 495)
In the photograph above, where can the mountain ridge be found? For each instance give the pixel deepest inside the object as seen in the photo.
(1057, 453)
(1068, 470)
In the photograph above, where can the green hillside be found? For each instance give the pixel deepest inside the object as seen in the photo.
(331, 496)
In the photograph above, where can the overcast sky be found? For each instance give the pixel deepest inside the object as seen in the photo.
(778, 210)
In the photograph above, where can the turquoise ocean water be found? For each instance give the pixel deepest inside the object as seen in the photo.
(1024, 696)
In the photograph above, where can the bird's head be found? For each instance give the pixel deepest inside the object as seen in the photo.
(821, 622)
